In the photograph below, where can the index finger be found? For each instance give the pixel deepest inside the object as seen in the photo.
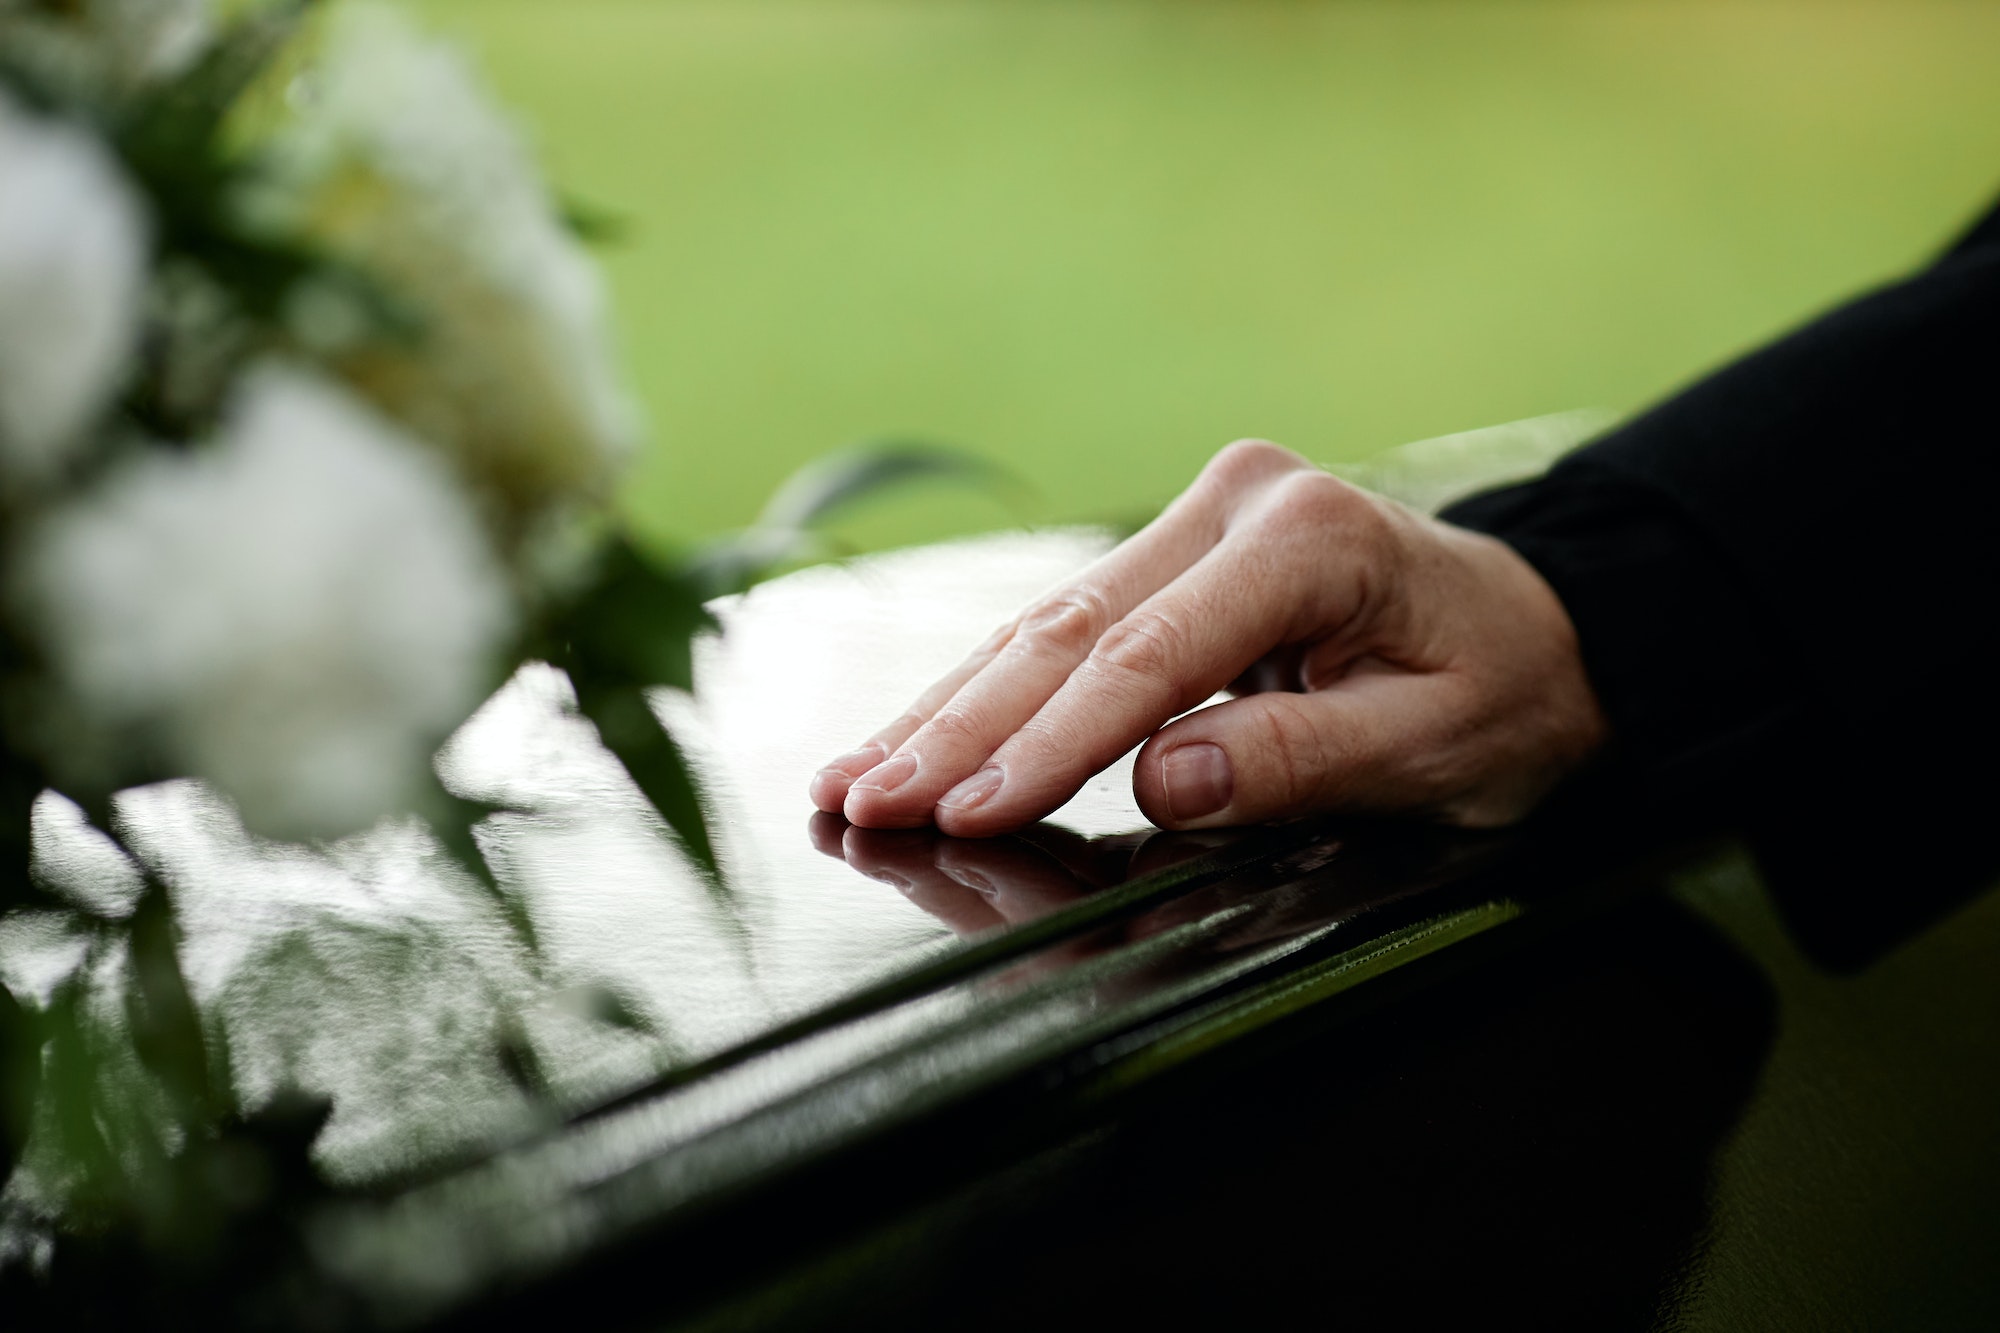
(962, 721)
(830, 784)
(1276, 581)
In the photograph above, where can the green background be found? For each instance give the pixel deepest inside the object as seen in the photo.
(1096, 240)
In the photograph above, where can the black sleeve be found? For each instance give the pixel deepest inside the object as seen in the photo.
(1784, 581)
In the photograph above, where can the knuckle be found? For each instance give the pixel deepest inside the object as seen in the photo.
(1042, 740)
(1067, 624)
(1305, 764)
(1317, 496)
(1247, 462)
(955, 727)
(1145, 643)
(1280, 743)
(1322, 502)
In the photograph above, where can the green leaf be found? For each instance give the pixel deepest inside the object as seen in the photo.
(20, 783)
(179, 124)
(601, 1004)
(636, 625)
(452, 818)
(518, 1059)
(836, 481)
(735, 563)
(21, 779)
(635, 628)
(172, 137)
(70, 1067)
(783, 533)
(20, 1076)
(630, 730)
(592, 223)
(166, 1029)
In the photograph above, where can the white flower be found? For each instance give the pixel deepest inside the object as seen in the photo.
(73, 242)
(397, 162)
(298, 613)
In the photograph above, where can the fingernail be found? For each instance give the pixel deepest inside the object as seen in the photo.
(975, 791)
(887, 777)
(856, 762)
(973, 880)
(892, 879)
(1198, 779)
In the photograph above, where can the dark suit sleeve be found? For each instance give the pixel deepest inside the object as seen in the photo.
(1784, 581)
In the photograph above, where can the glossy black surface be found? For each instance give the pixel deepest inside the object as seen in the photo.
(1093, 1074)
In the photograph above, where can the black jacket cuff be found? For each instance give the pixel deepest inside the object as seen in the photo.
(1680, 657)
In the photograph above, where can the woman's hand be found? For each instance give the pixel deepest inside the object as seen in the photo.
(1384, 662)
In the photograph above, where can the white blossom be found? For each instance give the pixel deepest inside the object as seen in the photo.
(298, 612)
(73, 245)
(397, 162)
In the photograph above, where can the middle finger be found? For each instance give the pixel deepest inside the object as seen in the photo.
(1046, 644)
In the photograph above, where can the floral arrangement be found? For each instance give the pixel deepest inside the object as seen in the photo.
(309, 424)
(308, 421)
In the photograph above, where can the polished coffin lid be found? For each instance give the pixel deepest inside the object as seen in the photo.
(609, 1047)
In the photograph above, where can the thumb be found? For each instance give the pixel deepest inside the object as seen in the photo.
(1363, 746)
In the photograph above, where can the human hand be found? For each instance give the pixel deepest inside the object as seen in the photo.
(1384, 663)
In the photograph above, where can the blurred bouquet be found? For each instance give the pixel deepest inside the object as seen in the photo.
(307, 423)
(308, 429)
